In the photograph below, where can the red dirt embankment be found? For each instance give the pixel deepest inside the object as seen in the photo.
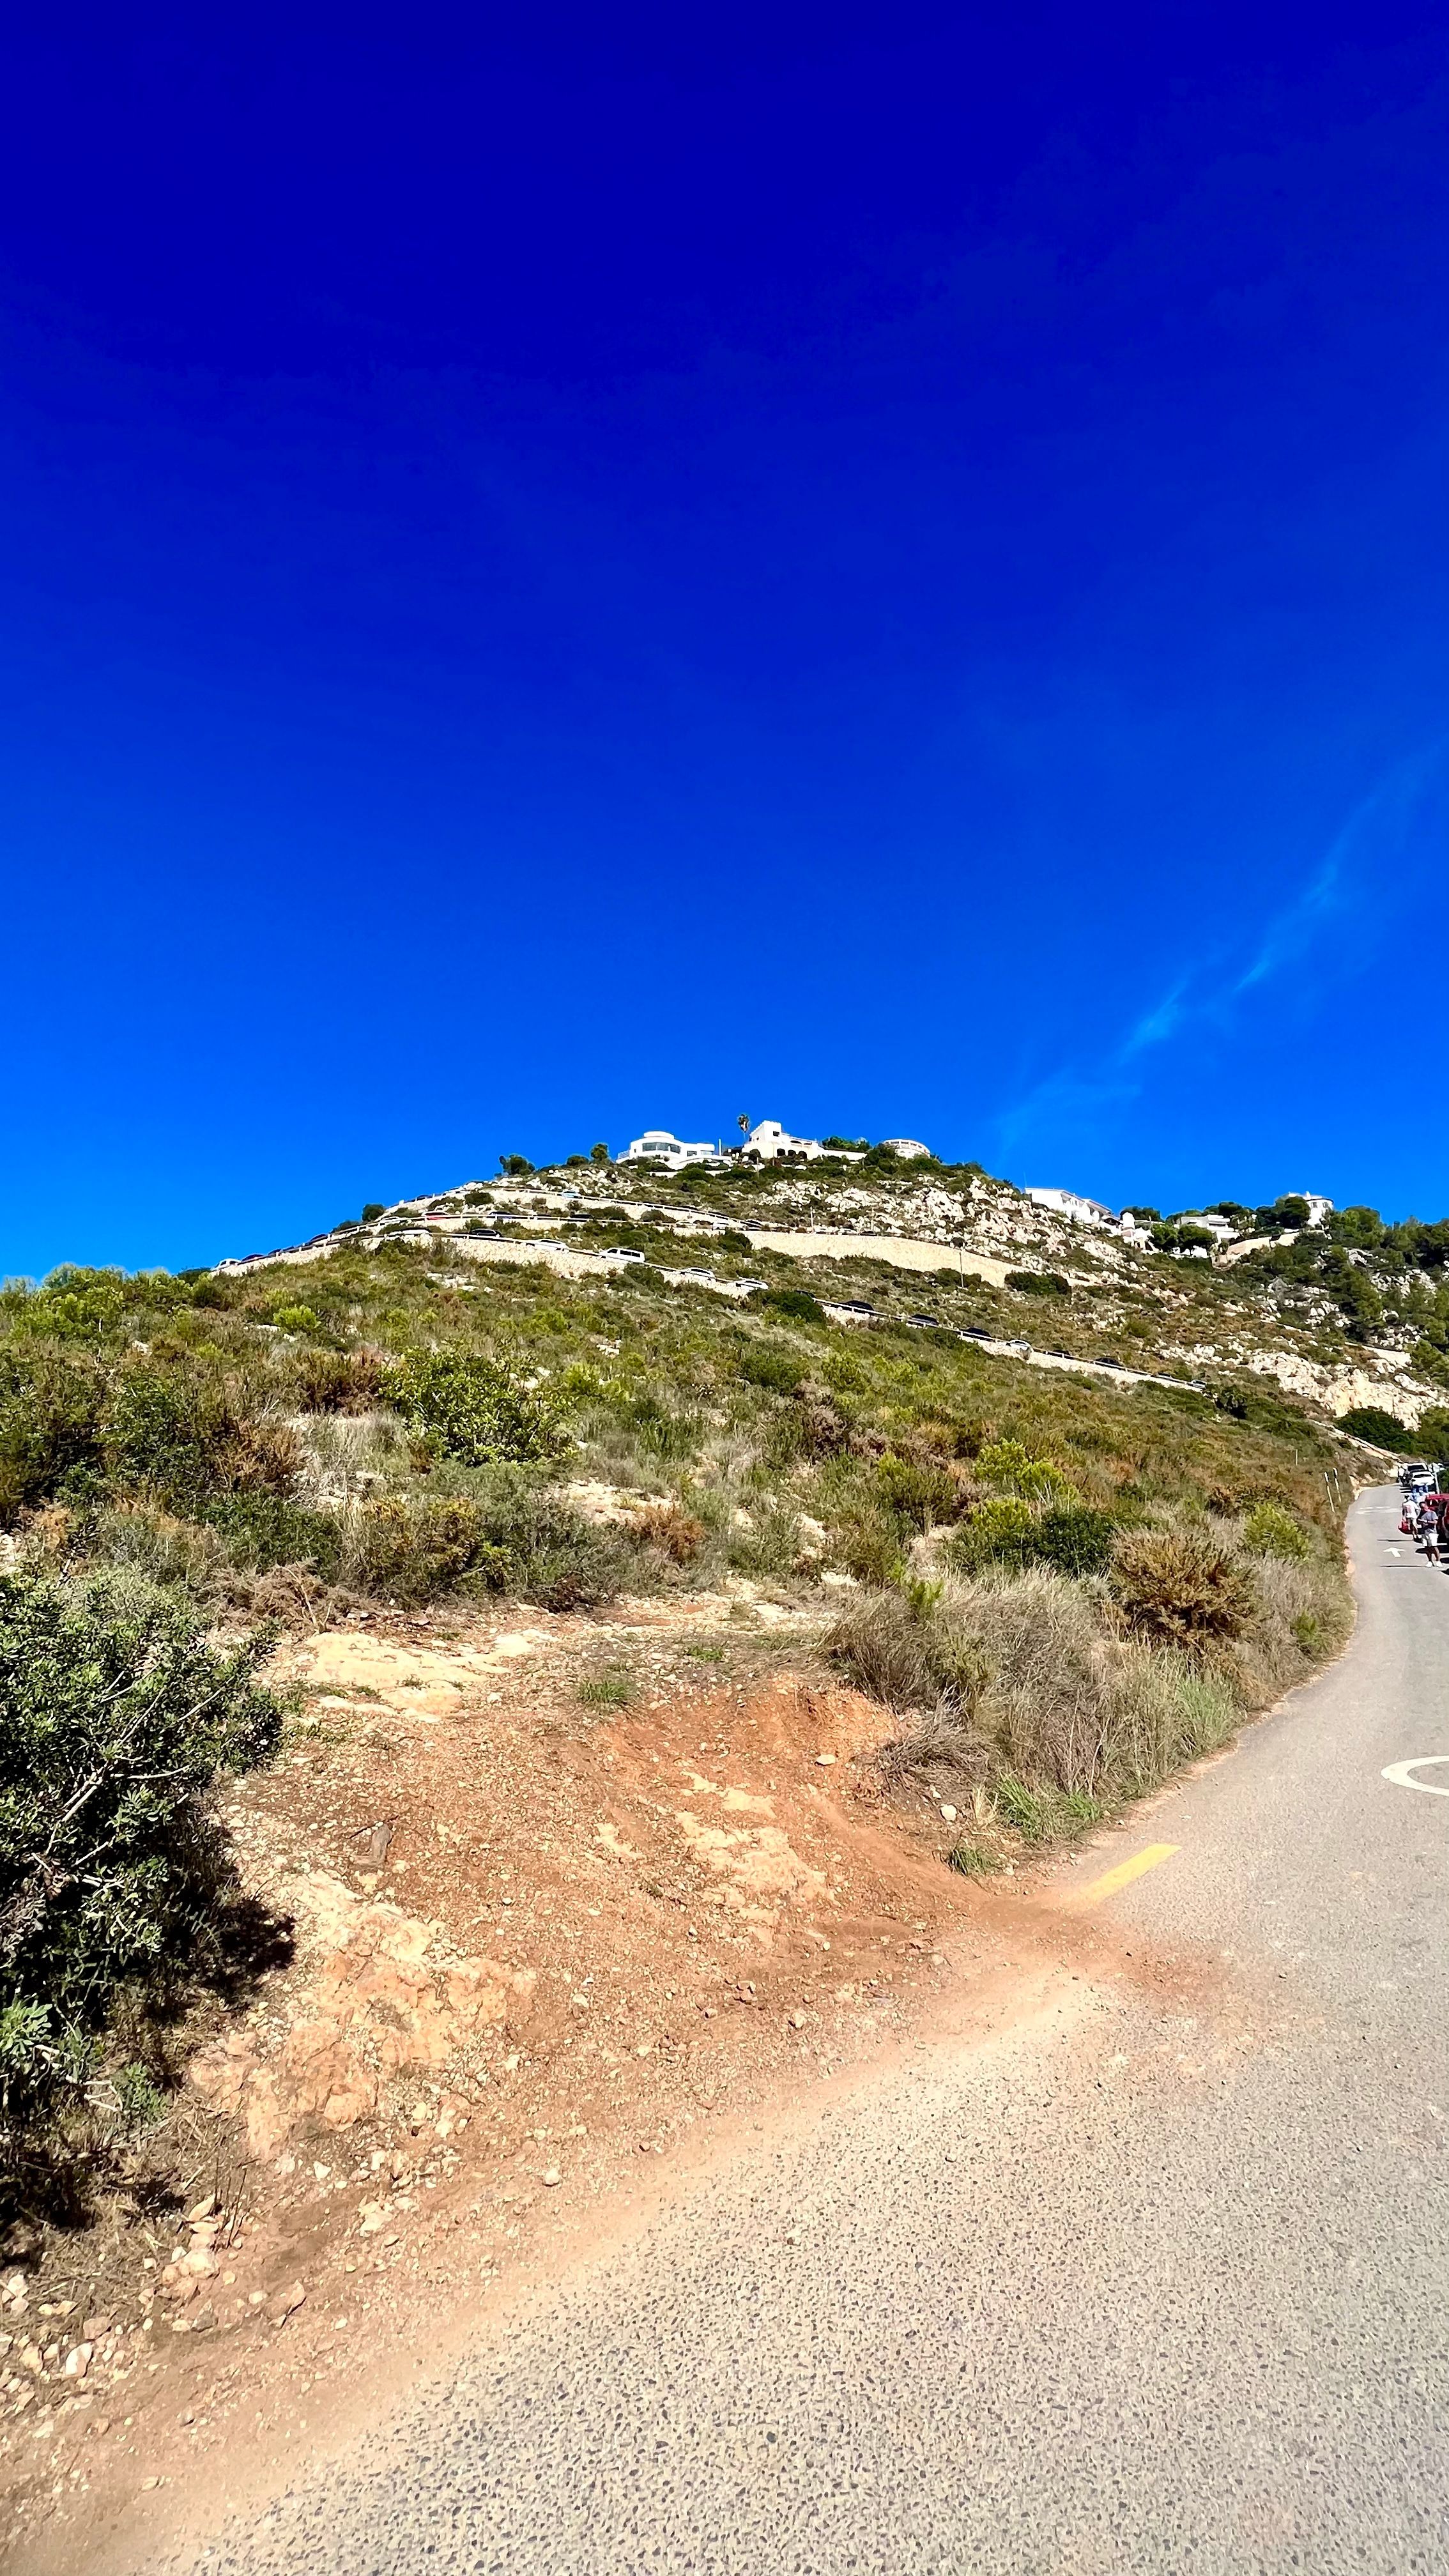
(531, 1940)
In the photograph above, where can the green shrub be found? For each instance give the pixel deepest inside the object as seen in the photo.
(260, 1530)
(1270, 1531)
(974, 1859)
(1075, 1539)
(77, 1306)
(1039, 1283)
(178, 1431)
(295, 1319)
(762, 1364)
(1007, 1464)
(795, 1302)
(919, 1492)
(462, 1405)
(658, 1430)
(1182, 1587)
(537, 1547)
(166, 1430)
(115, 1717)
(1002, 1530)
(1384, 1430)
(52, 1411)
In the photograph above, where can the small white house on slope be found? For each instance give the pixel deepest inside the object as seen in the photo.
(1067, 1203)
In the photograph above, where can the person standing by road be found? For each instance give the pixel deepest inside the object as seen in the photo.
(1429, 1527)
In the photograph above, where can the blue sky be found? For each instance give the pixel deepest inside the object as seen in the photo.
(881, 567)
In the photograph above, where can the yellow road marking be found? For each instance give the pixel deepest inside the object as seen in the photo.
(1124, 1873)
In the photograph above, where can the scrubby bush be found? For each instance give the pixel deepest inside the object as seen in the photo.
(260, 1530)
(466, 1406)
(1433, 1433)
(115, 1717)
(766, 1543)
(1270, 1531)
(678, 1534)
(534, 1545)
(511, 1536)
(1384, 1430)
(176, 1554)
(179, 1430)
(410, 1551)
(911, 1653)
(52, 1409)
(1182, 1587)
(1039, 1283)
(328, 1381)
(920, 1491)
(867, 1544)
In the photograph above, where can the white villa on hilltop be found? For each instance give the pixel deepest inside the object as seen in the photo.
(767, 1142)
(656, 1145)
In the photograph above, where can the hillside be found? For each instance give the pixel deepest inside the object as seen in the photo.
(1350, 1314)
(505, 1684)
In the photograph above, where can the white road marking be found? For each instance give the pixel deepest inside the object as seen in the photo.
(1402, 1774)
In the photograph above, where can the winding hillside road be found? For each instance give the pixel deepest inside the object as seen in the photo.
(1156, 2277)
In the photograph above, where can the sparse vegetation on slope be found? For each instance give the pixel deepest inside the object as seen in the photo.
(1062, 1585)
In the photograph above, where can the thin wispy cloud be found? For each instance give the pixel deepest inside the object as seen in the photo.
(1328, 929)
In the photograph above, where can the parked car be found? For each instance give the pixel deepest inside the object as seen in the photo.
(975, 1333)
(1110, 1363)
(622, 1252)
(923, 1323)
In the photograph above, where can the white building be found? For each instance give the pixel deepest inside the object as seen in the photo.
(906, 1148)
(1067, 1203)
(656, 1145)
(769, 1142)
(1319, 1209)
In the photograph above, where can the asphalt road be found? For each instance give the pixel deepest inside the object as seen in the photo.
(1157, 2279)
